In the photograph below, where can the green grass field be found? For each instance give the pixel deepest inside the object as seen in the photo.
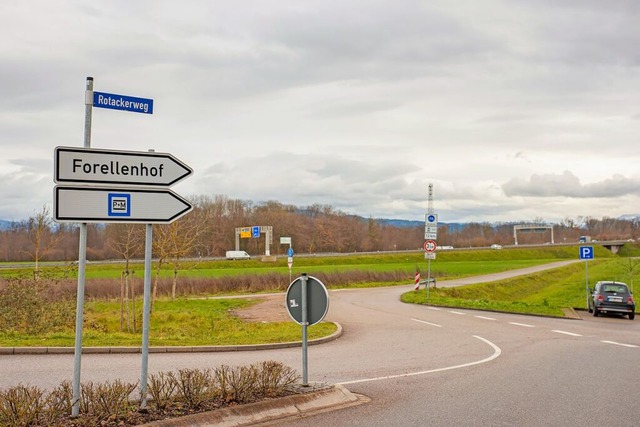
(182, 322)
(193, 322)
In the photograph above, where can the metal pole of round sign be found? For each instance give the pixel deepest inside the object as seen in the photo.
(307, 302)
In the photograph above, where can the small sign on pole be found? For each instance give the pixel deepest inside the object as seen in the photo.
(122, 102)
(586, 253)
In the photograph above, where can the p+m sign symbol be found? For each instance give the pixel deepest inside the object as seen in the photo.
(586, 252)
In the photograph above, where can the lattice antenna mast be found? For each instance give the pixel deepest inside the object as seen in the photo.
(430, 200)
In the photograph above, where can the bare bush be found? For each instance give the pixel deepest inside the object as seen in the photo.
(110, 288)
(163, 388)
(173, 394)
(239, 383)
(59, 403)
(21, 406)
(110, 400)
(273, 378)
(194, 386)
(34, 306)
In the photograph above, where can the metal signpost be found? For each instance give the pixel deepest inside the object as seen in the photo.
(287, 241)
(74, 202)
(586, 253)
(430, 245)
(307, 302)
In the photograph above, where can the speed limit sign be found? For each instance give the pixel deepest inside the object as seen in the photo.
(430, 246)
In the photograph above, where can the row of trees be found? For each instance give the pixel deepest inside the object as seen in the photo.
(209, 231)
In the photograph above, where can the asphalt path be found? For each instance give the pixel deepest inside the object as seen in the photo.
(426, 366)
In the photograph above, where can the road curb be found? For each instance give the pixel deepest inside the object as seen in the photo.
(327, 397)
(188, 349)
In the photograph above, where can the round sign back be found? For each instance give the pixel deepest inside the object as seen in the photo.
(317, 300)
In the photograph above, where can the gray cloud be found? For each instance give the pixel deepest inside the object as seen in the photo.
(569, 185)
(357, 104)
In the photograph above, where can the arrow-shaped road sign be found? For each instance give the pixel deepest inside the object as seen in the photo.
(89, 165)
(86, 204)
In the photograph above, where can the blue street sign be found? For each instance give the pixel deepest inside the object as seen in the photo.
(290, 252)
(122, 102)
(586, 252)
(255, 231)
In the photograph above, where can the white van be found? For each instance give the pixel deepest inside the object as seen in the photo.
(238, 255)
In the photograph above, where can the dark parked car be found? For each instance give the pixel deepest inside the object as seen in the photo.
(612, 297)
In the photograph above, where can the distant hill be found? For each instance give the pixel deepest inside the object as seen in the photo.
(404, 223)
(5, 225)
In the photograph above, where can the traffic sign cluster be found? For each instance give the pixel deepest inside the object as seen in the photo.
(430, 235)
(126, 202)
(130, 171)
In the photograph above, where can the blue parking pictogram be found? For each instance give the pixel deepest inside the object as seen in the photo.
(586, 252)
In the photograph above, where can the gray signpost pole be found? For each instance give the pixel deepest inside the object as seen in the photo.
(586, 269)
(146, 314)
(82, 263)
(428, 276)
(305, 323)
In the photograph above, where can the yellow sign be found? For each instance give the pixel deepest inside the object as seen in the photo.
(245, 232)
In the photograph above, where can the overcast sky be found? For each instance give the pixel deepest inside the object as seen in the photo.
(515, 110)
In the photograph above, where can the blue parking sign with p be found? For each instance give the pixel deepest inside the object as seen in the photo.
(586, 252)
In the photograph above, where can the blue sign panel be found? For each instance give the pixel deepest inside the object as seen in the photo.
(255, 231)
(122, 102)
(290, 252)
(586, 252)
(119, 204)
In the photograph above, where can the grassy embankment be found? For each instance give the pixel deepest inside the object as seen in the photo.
(192, 322)
(548, 293)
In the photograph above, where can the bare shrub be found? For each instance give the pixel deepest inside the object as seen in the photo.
(110, 288)
(236, 384)
(175, 393)
(21, 406)
(34, 306)
(273, 378)
(194, 386)
(163, 388)
(108, 400)
(59, 403)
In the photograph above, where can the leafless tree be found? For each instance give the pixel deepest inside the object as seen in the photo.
(128, 241)
(42, 238)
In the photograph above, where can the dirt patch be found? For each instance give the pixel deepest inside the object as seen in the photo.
(270, 309)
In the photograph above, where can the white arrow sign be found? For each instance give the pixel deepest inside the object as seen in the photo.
(86, 204)
(89, 165)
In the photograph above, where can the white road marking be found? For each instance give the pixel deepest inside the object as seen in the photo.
(427, 323)
(566, 333)
(521, 324)
(620, 344)
(457, 312)
(485, 318)
(496, 353)
(434, 308)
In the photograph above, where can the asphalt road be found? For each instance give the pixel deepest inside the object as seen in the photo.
(423, 366)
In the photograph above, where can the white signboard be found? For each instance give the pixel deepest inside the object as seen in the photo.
(431, 226)
(86, 204)
(89, 165)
